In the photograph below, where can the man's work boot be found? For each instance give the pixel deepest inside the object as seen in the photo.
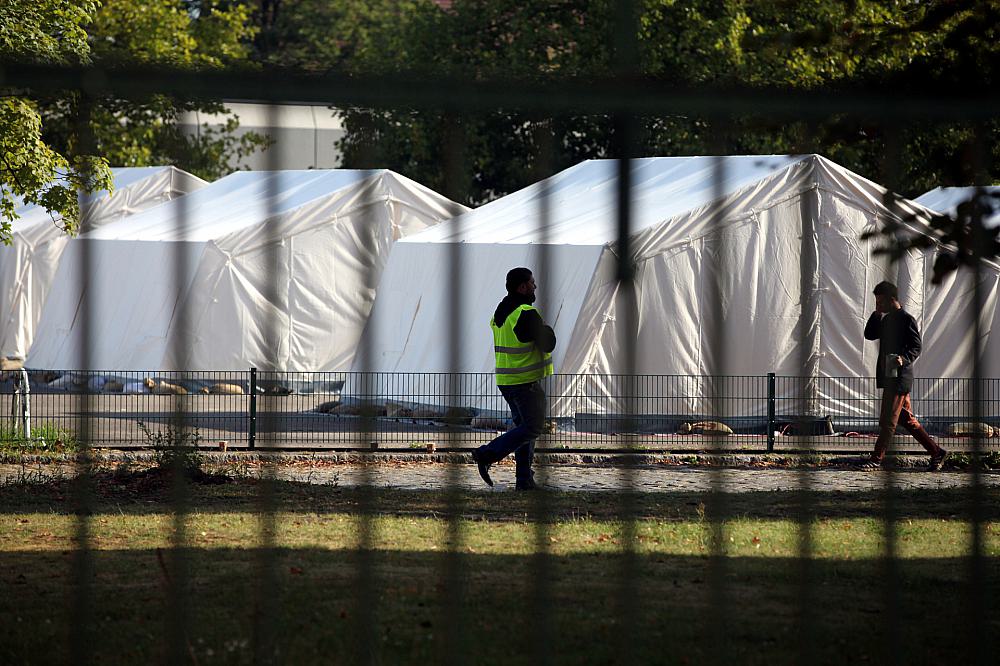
(483, 461)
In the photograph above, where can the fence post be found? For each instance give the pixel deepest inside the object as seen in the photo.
(770, 412)
(252, 425)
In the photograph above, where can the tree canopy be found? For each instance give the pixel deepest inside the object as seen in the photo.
(32, 171)
(45, 160)
(709, 44)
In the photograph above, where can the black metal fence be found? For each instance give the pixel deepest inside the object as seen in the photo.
(436, 411)
(271, 409)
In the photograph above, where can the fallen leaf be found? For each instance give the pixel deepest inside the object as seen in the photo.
(297, 571)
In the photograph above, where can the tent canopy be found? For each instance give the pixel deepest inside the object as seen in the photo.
(267, 269)
(28, 267)
(947, 199)
(776, 237)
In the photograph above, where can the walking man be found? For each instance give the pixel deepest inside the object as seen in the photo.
(898, 347)
(522, 344)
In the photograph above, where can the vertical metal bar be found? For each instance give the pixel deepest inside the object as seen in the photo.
(541, 603)
(627, 65)
(891, 578)
(454, 645)
(265, 611)
(808, 411)
(82, 629)
(178, 646)
(362, 642)
(979, 635)
(716, 505)
(771, 425)
(252, 416)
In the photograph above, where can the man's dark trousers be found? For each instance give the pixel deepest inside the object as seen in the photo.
(527, 407)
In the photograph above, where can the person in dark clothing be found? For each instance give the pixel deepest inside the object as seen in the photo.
(898, 347)
(522, 344)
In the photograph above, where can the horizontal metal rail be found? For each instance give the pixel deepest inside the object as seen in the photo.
(632, 95)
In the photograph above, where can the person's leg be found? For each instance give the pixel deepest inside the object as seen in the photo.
(534, 417)
(487, 454)
(522, 400)
(892, 403)
(909, 421)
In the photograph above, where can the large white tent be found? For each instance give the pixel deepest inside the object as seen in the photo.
(949, 306)
(28, 266)
(947, 199)
(269, 269)
(778, 235)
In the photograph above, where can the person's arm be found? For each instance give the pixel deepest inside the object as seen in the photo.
(873, 329)
(911, 341)
(531, 328)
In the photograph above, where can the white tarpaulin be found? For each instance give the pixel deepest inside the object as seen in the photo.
(948, 307)
(779, 236)
(947, 199)
(28, 266)
(267, 269)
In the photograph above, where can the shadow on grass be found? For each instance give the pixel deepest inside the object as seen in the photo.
(113, 493)
(314, 610)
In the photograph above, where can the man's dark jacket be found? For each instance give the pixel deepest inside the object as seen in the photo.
(897, 333)
(530, 327)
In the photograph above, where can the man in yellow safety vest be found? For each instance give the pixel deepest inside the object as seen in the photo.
(523, 345)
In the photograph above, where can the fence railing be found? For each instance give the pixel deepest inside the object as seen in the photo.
(438, 411)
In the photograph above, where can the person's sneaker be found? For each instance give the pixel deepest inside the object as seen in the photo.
(484, 466)
(870, 463)
(527, 484)
(937, 462)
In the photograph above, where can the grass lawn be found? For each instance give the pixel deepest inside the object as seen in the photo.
(417, 577)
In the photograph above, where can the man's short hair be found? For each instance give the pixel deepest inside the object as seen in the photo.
(516, 277)
(886, 289)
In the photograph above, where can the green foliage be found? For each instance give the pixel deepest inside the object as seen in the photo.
(46, 161)
(174, 447)
(170, 437)
(45, 30)
(139, 132)
(45, 436)
(32, 171)
(706, 44)
(318, 35)
(162, 32)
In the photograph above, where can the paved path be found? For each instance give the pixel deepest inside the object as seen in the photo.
(671, 477)
(655, 478)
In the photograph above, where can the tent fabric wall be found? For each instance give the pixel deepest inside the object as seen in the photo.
(778, 239)
(947, 199)
(28, 267)
(277, 270)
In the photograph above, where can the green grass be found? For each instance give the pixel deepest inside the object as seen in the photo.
(422, 549)
(45, 436)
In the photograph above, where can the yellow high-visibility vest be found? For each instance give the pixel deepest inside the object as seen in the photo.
(517, 362)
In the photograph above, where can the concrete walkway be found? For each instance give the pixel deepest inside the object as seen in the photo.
(652, 478)
(731, 473)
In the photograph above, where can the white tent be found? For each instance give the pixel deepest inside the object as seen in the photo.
(948, 309)
(947, 199)
(780, 236)
(28, 266)
(267, 269)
